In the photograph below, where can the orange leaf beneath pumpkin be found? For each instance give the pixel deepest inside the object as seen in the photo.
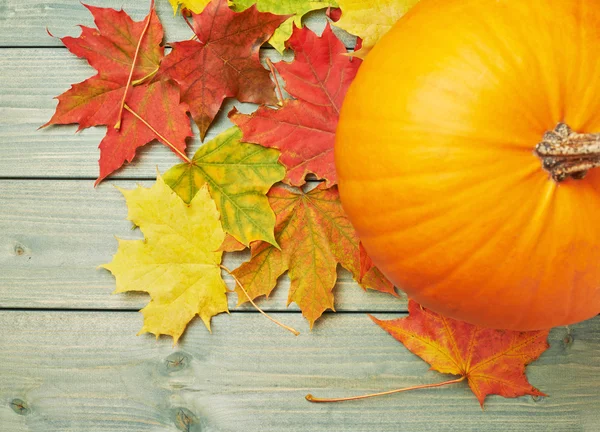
(492, 361)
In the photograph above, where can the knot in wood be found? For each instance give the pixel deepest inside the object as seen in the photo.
(185, 420)
(20, 406)
(177, 361)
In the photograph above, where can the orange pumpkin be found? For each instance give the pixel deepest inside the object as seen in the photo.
(450, 170)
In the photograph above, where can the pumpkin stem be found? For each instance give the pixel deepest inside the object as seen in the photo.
(567, 154)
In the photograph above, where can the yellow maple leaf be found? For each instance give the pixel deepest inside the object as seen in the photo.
(176, 263)
(195, 6)
(371, 19)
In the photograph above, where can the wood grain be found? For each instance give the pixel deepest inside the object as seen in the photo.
(24, 22)
(73, 371)
(27, 99)
(88, 372)
(27, 102)
(53, 235)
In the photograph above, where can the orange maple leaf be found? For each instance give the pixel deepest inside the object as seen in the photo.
(492, 361)
(314, 235)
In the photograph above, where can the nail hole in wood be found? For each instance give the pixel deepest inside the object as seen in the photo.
(568, 339)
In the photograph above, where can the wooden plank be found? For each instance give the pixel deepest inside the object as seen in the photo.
(27, 102)
(89, 372)
(24, 22)
(53, 235)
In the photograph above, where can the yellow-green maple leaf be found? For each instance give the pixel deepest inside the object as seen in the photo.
(297, 8)
(371, 19)
(176, 263)
(195, 6)
(239, 175)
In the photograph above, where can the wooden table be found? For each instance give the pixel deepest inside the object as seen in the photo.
(70, 359)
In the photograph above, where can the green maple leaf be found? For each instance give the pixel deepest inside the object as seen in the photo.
(239, 175)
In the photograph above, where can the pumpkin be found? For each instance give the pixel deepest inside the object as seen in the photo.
(465, 151)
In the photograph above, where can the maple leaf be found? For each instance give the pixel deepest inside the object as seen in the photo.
(366, 263)
(176, 263)
(224, 62)
(110, 49)
(196, 6)
(230, 244)
(238, 175)
(314, 235)
(371, 19)
(304, 128)
(153, 104)
(492, 361)
(297, 8)
(370, 275)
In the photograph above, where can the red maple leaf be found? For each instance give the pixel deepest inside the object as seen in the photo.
(224, 61)
(304, 128)
(153, 104)
(157, 112)
(492, 361)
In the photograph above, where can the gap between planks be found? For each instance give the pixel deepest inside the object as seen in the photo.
(241, 311)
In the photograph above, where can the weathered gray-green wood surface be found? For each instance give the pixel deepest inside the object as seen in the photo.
(55, 233)
(70, 359)
(89, 372)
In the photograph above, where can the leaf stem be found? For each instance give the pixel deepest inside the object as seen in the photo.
(135, 56)
(143, 79)
(159, 135)
(290, 329)
(279, 92)
(313, 399)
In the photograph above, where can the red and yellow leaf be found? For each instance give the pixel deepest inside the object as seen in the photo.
(157, 108)
(296, 8)
(110, 49)
(492, 361)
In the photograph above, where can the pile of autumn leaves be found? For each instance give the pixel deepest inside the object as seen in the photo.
(244, 188)
(226, 197)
